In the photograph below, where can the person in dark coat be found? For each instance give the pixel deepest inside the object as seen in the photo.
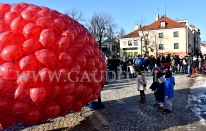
(160, 93)
(152, 62)
(124, 63)
(189, 65)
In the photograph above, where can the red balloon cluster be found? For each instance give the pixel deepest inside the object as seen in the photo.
(49, 64)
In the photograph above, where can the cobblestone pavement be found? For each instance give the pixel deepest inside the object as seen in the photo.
(123, 112)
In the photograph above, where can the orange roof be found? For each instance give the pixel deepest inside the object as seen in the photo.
(156, 26)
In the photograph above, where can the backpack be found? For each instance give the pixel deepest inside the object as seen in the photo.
(138, 62)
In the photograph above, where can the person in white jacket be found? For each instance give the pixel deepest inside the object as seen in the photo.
(141, 86)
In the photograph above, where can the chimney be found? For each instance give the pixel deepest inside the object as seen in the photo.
(136, 27)
(157, 18)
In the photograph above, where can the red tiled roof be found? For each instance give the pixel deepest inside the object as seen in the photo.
(192, 26)
(157, 25)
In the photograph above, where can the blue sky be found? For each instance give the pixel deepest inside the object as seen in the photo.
(127, 12)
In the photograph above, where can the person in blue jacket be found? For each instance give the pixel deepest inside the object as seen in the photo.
(168, 92)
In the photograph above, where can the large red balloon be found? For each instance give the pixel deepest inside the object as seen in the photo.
(49, 64)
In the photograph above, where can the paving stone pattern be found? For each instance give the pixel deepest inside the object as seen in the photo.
(123, 112)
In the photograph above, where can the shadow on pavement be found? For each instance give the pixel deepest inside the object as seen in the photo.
(129, 114)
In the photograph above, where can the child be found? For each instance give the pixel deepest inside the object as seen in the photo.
(168, 92)
(141, 86)
(160, 93)
(156, 75)
(131, 71)
(184, 66)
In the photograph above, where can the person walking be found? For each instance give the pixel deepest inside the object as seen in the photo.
(195, 66)
(189, 63)
(141, 86)
(168, 92)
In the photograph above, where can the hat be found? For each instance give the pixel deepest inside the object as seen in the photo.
(168, 74)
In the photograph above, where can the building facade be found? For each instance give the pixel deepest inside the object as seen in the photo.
(162, 37)
(110, 47)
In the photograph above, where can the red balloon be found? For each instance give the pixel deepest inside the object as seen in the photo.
(82, 60)
(4, 27)
(31, 45)
(21, 107)
(4, 8)
(51, 110)
(38, 94)
(23, 5)
(22, 94)
(12, 52)
(9, 70)
(31, 31)
(59, 24)
(32, 117)
(6, 38)
(43, 13)
(77, 106)
(65, 104)
(68, 89)
(8, 121)
(17, 25)
(9, 16)
(52, 92)
(65, 59)
(69, 35)
(16, 8)
(28, 62)
(26, 78)
(46, 56)
(47, 38)
(64, 43)
(45, 22)
(29, 16)
(33, 8)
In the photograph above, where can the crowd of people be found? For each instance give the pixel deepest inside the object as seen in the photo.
(163, 67)
(177, 64)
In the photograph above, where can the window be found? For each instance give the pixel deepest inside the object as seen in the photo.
(161, 46)
(125, 54)
(176, 45)
(129, 43)
(161, 35)
(124, 43)
(135, 43)
(162, 24)
(176, 34)
(135, 53)
(131, 54)
(113, 48)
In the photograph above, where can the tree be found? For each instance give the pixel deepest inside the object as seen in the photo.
(75, 14)
(122, 32)
(101, 25)
(155, 40)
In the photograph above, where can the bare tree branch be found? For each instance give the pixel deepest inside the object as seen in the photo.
(121, 32)
(101, 25)
(75, 14)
